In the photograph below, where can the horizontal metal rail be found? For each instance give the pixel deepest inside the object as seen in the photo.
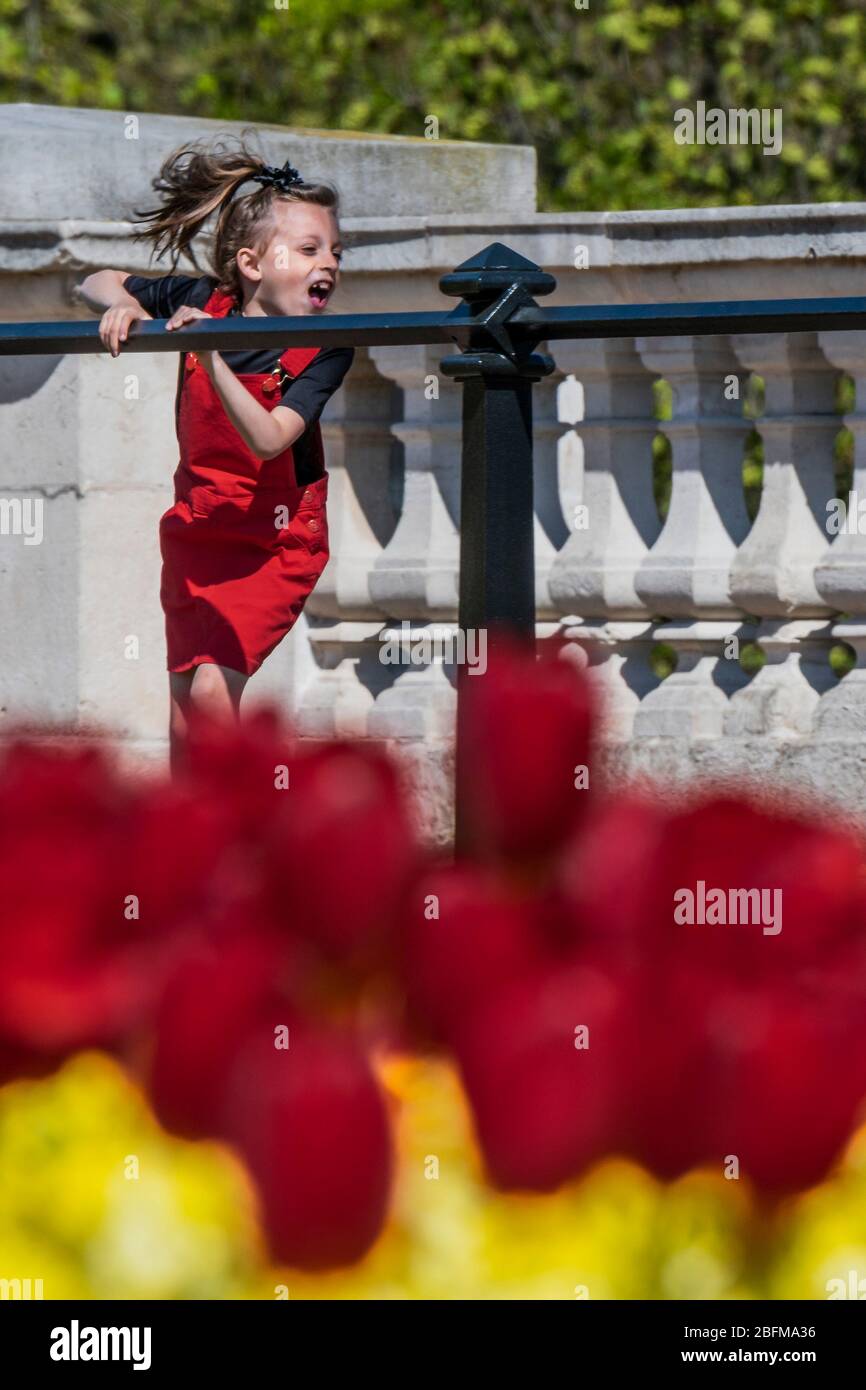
(712, 317)
(527, 325)
(337, 330)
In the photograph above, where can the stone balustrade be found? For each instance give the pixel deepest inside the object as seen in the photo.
(709, 580)
(616, 580)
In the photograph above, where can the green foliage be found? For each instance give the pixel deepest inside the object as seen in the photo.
(593, 90)
(662, 474)
(753, 456)
(663, 658)
(842, 659)
(753, 472)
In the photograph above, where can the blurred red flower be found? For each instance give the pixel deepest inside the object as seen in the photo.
(682, 981)
(707, 1038)
(523, 783)
(546, 1062)
(715, 998)
(263, 1027)
(86, 897)
(224, 980)
(175, 922)
(467, 933)
(340, 851)
(311, 1122)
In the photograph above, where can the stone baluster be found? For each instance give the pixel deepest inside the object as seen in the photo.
(685, 576)
(773, 573)
(362, 508)
(416, 574)
(840, 579)
(414, 580)
(612, 515)
(338, 633)
(551, 526)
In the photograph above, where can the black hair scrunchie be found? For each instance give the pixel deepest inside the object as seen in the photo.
(282, 179)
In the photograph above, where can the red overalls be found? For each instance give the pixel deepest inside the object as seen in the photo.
(243, 546)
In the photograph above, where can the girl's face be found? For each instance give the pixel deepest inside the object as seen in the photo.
(296, 268)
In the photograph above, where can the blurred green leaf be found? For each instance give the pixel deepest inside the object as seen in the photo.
(593, 91)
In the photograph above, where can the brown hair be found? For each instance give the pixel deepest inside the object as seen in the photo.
(199, 179)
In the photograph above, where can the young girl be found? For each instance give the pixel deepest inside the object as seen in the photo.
(246, 539)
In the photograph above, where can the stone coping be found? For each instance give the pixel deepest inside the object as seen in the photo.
(72, 162)
(669, 237)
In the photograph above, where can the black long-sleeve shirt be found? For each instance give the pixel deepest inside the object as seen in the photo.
(306, 393)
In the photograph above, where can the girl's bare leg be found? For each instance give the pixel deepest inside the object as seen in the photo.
(216, 690)
(179, 696)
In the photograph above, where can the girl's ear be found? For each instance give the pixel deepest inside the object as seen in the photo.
(248, 263)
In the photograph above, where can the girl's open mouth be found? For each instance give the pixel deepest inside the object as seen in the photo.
(320, 292)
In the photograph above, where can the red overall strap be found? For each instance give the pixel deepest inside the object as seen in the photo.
(218, 305)
(294, 359)
(219, 302)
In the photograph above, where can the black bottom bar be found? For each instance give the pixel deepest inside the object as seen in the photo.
(248, 1337)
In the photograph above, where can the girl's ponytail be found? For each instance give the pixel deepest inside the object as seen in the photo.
(199, 180)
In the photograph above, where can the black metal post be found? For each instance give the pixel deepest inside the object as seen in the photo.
(497, 568)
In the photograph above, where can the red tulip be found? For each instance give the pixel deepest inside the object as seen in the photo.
(220, 988)
(791, 1086)
(467, 936)
(98, 879)
(599, 882)
(526, 727)
(548, 1098)
(716, 999)
(311, 1123)
(241, 765)
(65, 980)
(752, 1073)
(796, 887)
(23, 1064)
(673, 1079)
(178, 856)
(341, 850)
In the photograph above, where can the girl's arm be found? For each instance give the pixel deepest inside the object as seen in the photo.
(266, 432)
(104, 290)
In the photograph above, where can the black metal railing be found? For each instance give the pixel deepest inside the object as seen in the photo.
(496, 328)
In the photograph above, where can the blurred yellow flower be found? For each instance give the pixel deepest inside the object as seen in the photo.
(98, 1203)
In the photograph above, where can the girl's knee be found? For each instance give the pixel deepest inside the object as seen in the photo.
(176, 720)
(179, 687)
(207, 688)
(216, 691)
